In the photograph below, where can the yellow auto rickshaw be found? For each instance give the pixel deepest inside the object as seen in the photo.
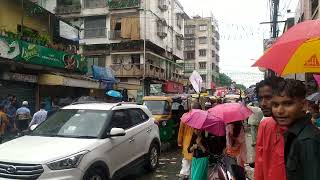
(161, 109)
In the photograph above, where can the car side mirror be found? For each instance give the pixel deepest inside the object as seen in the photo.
(33, 127)
(116, 132)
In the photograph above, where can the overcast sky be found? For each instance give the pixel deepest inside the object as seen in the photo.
(241, 33)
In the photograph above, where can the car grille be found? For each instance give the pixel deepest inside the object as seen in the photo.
(20, 171)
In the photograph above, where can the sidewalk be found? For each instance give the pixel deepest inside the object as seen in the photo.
(250, 156)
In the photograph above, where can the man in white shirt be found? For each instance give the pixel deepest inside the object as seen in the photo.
(39, 116)
(254, 120)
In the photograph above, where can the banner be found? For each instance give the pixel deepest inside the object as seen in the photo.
(25, 52)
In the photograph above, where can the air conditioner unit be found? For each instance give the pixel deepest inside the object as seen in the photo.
(163, 7)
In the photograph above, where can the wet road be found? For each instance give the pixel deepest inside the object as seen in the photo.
(169, 167)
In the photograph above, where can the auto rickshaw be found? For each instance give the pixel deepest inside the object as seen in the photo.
(161, 108)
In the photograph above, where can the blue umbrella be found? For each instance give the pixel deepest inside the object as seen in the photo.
(114, 94)
(314, 97)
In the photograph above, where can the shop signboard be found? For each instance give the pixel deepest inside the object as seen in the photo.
(155, 89)
(21, 51)
(19, 77)
(173, 87)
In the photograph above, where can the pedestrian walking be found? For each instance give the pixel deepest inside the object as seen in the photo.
(236, 142)
(184, 139)
(302, 139)
(314, 112)
(4, 121)
(10, 110)
(23, 117)
(39, 116)
(269, 160)
(200, 159)
(254, 121)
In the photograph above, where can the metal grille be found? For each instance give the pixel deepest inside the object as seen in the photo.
(20, 171)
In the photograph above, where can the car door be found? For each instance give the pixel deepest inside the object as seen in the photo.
(142, 130)
(121, 152)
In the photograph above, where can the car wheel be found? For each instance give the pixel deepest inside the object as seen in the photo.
(153, 157)
(95, 174)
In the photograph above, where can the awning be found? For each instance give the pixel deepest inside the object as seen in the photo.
(68, 80)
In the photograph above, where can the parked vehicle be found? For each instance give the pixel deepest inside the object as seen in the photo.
(84, 141)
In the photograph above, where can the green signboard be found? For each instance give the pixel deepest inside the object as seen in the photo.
(25, 52)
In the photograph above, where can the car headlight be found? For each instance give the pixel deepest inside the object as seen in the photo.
(67, 163)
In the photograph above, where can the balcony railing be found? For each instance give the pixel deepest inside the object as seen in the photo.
(114, 35)
(95, 33)
(123, 4)
(137, 70)
(189, 48)
(92, 4)
(68, 9)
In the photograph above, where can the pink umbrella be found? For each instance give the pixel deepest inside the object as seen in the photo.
(230, 112)
(199, 119)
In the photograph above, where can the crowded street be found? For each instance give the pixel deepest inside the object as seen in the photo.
(159, 90)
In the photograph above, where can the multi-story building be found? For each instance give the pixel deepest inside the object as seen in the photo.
(38, 62)
(140, 40)
(201, 49)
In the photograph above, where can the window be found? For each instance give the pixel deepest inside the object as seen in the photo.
(161, 29)
(202, 65)
(213, 53)
(137, 116)
(189, 29)
(189, 55)
(179, 20)
(95, 60)
(179, 42)
(203, 27)
(213, 66)
(189, 66)
(120, 120)
(202, 40)
(74, 123)
(213, 41)
(95, 27)
(91, 4)
(189, 42)
(204, 77)
(202, 52)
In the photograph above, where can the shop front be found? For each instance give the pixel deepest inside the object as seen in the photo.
(66, 88)
(23, 86)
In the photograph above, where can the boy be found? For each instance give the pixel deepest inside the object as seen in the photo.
(302, 139)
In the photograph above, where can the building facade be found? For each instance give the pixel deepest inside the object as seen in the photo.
(140, 40)
(201, 49)
(37, 62)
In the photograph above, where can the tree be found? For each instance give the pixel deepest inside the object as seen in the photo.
(241, 87)
(224, 80)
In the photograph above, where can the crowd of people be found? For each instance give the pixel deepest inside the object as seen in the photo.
(15, 119)
(285, 135)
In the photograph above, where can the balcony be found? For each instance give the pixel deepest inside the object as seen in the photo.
(123, 4)
(189, 48)
(115, 35)
(136, 70)
(95, 33)
(68, 9)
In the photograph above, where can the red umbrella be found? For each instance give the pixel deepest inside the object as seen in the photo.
(294, 51)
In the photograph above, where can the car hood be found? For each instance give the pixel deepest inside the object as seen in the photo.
(41, 150)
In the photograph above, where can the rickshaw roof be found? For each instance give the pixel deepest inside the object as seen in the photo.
(157, 98)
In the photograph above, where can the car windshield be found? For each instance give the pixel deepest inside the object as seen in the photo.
(158, 107)
(74, 123)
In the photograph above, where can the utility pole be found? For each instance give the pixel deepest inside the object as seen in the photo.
(275, 10)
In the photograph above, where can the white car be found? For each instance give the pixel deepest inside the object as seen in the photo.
(91, 141)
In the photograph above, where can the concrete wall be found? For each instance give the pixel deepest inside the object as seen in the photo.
(11, 16)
